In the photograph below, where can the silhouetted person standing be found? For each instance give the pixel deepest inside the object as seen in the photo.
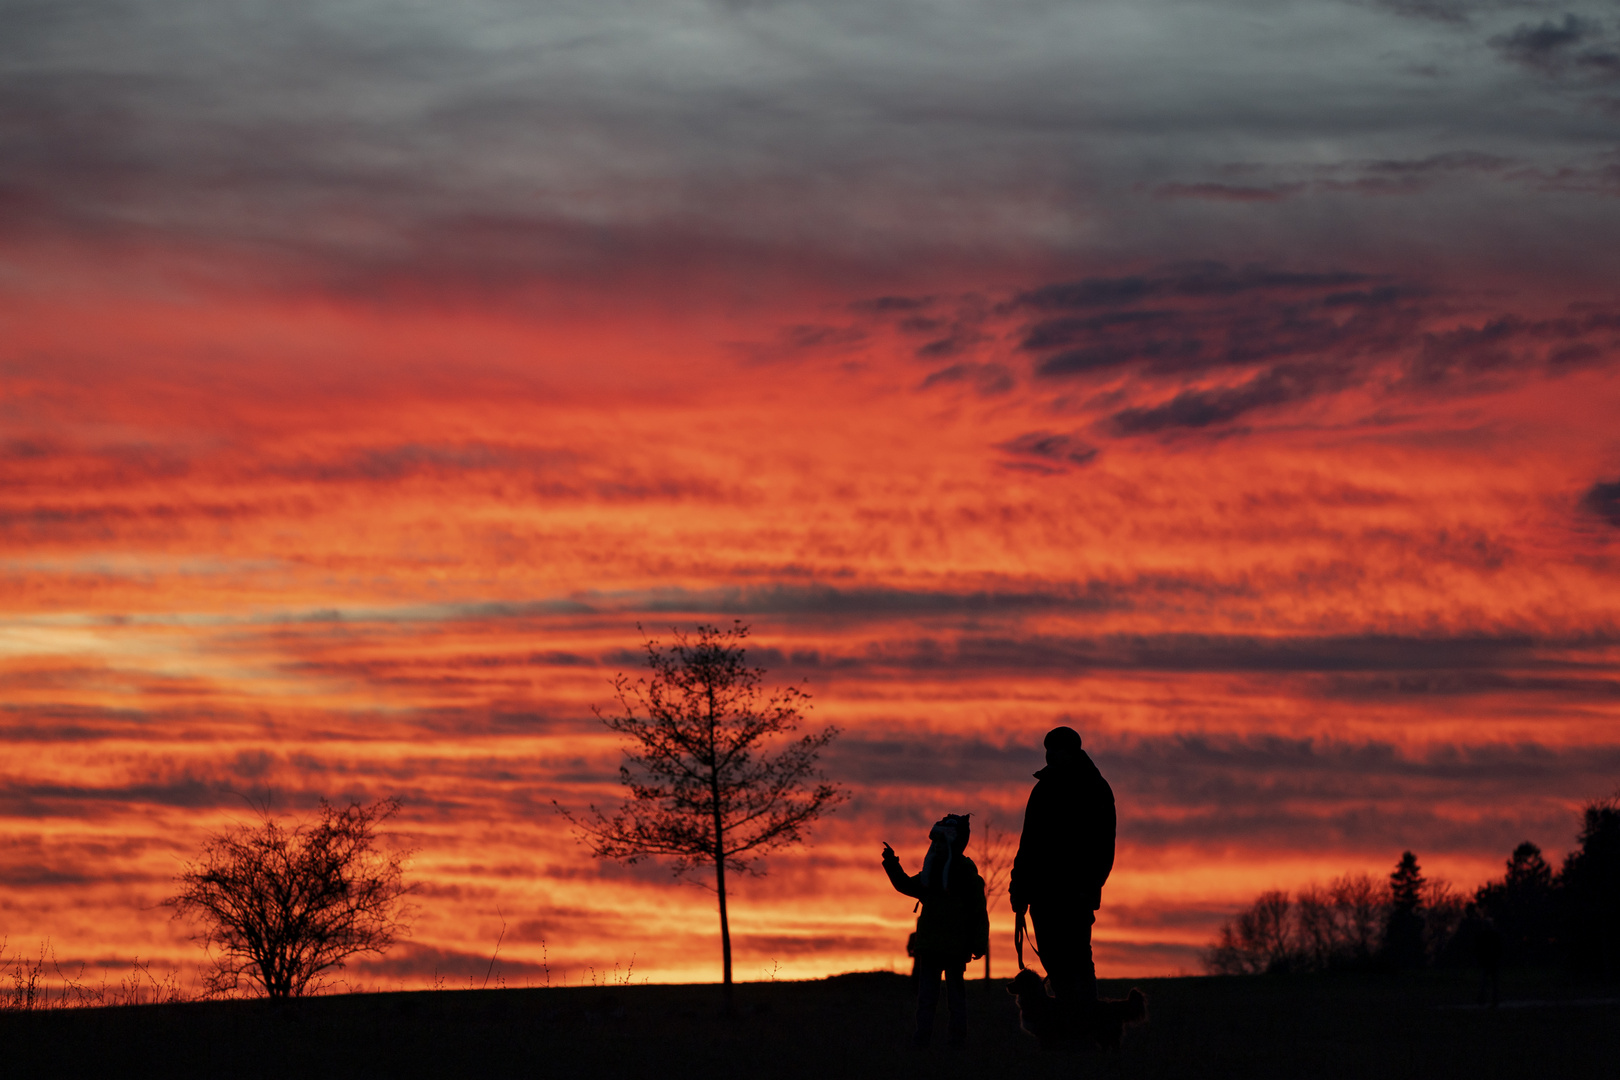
(954, 927)
(1064, 855)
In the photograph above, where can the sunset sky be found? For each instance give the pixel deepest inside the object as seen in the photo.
(1237, 381)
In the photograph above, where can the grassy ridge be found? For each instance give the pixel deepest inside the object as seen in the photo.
(848, 1026)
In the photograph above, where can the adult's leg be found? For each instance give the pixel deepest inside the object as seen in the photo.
(956, 997)
(1063, 934)
(928, 971)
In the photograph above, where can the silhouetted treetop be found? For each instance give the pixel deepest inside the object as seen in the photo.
(1590, 891)
(1406, 883)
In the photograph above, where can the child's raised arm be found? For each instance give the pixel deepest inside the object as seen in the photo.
(902, 882)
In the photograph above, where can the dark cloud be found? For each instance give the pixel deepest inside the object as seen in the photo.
(1273, 183)
(1573, 46)
(1534, 663)
(1309, 334)
(1159, 354)
(1454, 12)
(1440, 683)
(29, 450)
(1280, 385)
(95, 522)
(889, 305)
(1603, 500)
(946, 347)
(50, 861)
(1190, 280)
(827, 601)
(1063, 332)
(973, 655)
(821, 336)
(1267, 339)
(1468, 350)
(802, 340)
(1382, 825)
(1047, 451)
(1337, 767)
(1451, 161)
(1594, 177)
(952, 326)
(1227, 192)
(1509, 342)
(1547, 46)
(1258, 790)
(987, 380)
(42, 462)
(46, 800)
(1378, 296)
(405, 460)
(875, 762)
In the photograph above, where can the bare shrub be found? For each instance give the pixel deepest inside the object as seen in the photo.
(280, 905)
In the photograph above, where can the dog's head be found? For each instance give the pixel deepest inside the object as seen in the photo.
(1027, 983)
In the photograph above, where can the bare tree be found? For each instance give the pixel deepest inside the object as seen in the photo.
(706, 788)
(1319, 928)
(1257, 940)
(1444, 909)
(1324, 928)
(1360, 904)
(280, 905)
(995, 863)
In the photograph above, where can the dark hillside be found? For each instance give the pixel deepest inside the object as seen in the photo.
(847, 1026)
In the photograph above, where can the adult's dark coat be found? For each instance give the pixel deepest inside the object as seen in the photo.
(1067, 849)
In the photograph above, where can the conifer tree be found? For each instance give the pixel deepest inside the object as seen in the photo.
(1403, 933)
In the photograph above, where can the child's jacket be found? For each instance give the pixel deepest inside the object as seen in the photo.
(954, 925)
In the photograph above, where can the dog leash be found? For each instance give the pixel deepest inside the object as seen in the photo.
(1020, 932)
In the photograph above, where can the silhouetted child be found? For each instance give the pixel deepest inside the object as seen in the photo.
(954, 926)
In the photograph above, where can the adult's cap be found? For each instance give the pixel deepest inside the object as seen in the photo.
(1063, 738)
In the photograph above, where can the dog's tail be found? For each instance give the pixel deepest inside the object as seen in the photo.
(1135, 1007)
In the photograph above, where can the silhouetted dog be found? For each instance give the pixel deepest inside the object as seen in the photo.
(1056, 1026)
(1038, 1013)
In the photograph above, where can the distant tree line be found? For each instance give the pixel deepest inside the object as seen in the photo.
(1539, 916)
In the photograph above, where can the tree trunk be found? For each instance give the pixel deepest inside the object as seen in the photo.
(725, 931)
(720, 874)
(719, 853)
